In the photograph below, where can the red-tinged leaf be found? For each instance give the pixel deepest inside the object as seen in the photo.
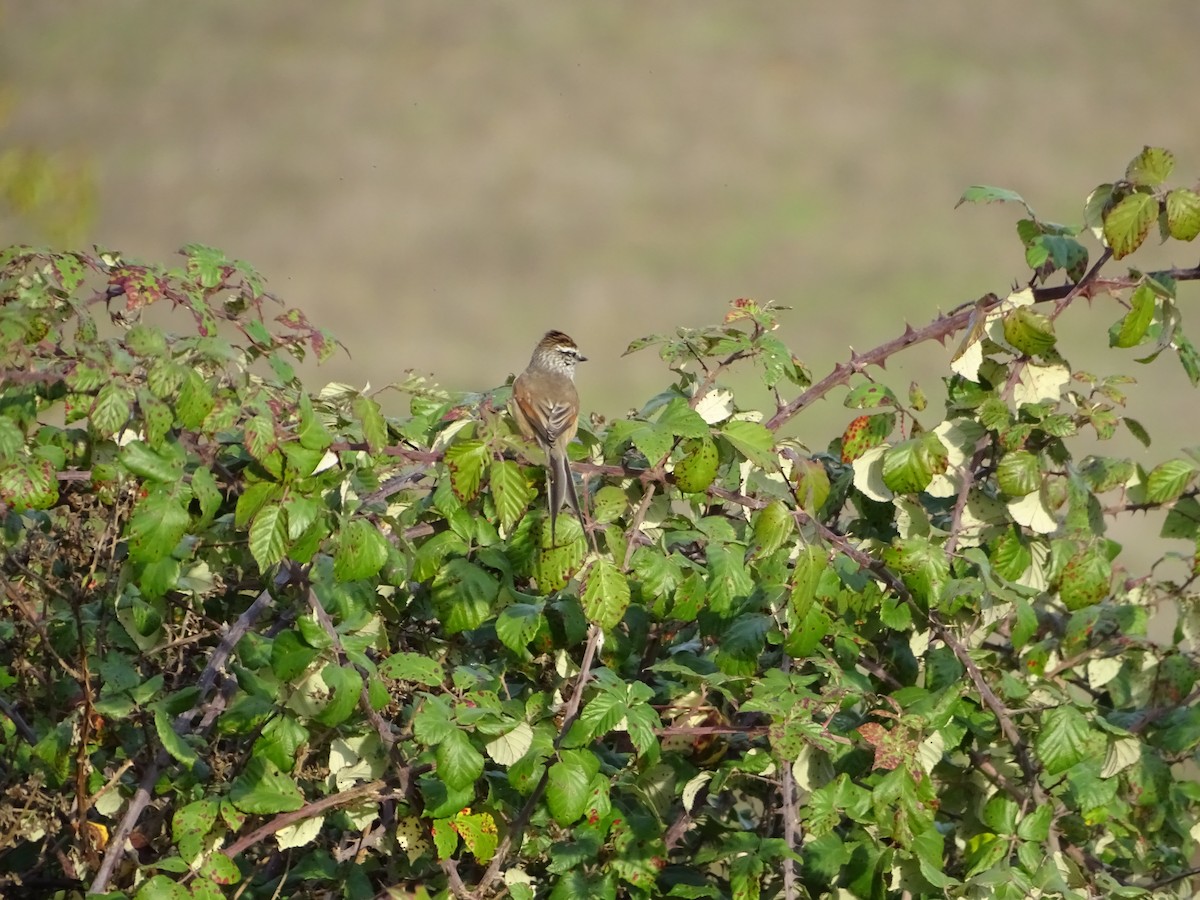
(866, 433)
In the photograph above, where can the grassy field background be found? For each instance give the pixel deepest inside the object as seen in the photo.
(439, 183)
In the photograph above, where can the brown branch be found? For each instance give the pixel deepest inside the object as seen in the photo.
(964, 494)
(945, 325)
(307, 811)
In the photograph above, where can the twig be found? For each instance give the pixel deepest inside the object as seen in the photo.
(22, 726)
(635, 527)
(382, 727)
(182, 724)
(307, 811)
(945, 325)
(787, 810)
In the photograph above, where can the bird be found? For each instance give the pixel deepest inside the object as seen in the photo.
(545, 406)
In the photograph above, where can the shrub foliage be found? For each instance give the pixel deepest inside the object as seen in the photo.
(259, 642)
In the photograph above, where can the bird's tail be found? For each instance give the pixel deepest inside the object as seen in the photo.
(562, 489)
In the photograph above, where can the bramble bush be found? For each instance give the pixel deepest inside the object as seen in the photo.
(261, 643)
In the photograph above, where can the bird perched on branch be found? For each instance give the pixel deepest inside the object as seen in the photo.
(545, 405)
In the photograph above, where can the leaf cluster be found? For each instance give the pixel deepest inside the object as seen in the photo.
(268, 642)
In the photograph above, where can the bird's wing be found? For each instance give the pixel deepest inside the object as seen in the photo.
(547, 419)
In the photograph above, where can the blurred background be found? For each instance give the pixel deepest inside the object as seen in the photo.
(440, 183)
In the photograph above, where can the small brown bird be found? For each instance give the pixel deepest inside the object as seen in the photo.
(546, 408)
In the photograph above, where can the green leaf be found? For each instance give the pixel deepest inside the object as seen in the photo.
(1062, 252)
(253, 498)
(445, 838)
(312, 434)
(922, 566)
(479, 834)
(111, 410)
(1183, 521)
(1189, 358)
(1025, 624)
(1030, 332)
(1138, 430)
(206, 264)
(157, 418)
(928, 847)
(811, 484)
(164, 378)
(567, 788)
(175, 745)
(555, 564)
(519, 624)
(809, 631)
(511, 491)
(158, 577)
(1133, 327)
(1086, 578)
(1000, 814)
(909, 466)
(728, 579)
(1019, 473)
(745, 877)
(681, 420)
(1128, 223)
(466, 461)
(191, 824)
(753, 441)
(1151, 167)
(195, 399)
(605, 594)
(609, 504)
(459, 764)
(697, 469)
(217, 869)
(463, 595)
(1063, 739)
(1183, 214)
(158, 523)
(345, 683)
(261, 789)
(511, 746)
(432, 723)
(268, 536)
(870, 396)
(145, 340)
(374, 427)
(982, 193)
(29, 485)
(12, 438)
(1036, 825)
(744, 641)
(361, 551)
(259, 436)
(651, 441)
(773, 525)
(1169, 480)
(290, 655)
(160, 887)
(415, 667)
(154, 466)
